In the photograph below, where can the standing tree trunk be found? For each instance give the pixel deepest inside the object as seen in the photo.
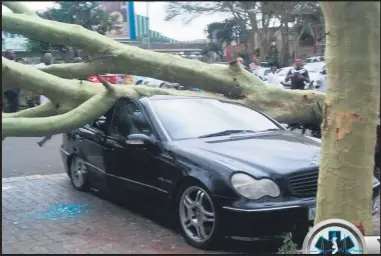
(297, 42)
(350, 111)
(284, 49)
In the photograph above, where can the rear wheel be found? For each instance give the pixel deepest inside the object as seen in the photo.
(78, 174)
(199, 217)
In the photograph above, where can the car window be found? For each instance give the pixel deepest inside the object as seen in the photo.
(102, 122)
(128, 119)
(191, 118)
(267, 71)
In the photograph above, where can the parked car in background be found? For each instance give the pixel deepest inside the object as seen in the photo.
(152, 82)
(114, 79)
(281, 77)
(262, 73)
(318, 76)
(222, 168)
(315, 59)
(265, 64)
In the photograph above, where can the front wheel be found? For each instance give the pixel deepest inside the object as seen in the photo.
(78, 174)
(199, 218)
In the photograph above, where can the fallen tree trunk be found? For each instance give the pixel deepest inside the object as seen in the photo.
(109, 56)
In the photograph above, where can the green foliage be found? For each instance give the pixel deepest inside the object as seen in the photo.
(308, 15)
(223, 32)
(87, 14)
(288, 247)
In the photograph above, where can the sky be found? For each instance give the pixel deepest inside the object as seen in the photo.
(174, 29)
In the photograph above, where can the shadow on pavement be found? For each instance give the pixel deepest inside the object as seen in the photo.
(165, 218)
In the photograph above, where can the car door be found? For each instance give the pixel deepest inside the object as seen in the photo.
(129, 166)
(90, 139)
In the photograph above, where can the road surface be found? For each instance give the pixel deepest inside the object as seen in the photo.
(23, 157)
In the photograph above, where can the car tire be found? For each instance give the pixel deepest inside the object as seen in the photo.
(199, 218)
(78, 174)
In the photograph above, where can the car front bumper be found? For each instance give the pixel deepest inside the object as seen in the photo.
(257, 219)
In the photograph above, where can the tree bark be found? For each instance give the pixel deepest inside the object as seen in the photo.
(297, 42)
(350, 111)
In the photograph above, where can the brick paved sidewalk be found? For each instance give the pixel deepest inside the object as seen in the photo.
(44, 214)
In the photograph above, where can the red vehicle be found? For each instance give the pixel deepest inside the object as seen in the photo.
(113, 79)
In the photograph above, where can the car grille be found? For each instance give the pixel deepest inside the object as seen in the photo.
(304, 184)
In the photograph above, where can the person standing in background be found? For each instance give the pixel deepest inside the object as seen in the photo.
(47, 60)
(242, 62)
(12, 95)
(298, 75)
(271, 78)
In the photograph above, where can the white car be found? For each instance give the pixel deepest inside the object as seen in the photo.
(152, 82)
(262, 73)
(318, 75)
(281, 77)
(315, 59)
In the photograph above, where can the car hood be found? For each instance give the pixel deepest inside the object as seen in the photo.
(265, 154)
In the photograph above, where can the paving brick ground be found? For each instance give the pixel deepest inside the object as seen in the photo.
(35, 220)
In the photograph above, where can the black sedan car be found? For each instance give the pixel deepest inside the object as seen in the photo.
(227, 169)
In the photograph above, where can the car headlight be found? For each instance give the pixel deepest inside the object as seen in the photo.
(251, 188)
(376, 182)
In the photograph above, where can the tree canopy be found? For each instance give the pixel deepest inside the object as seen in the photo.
(89, 15)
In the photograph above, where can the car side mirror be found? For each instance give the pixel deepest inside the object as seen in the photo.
(139, 139)
(323, 72)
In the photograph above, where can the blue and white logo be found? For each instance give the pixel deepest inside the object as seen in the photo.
(334, 236)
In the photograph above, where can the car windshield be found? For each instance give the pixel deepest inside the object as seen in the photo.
(193, 118)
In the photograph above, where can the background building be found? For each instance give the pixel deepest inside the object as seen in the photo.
(142, 30)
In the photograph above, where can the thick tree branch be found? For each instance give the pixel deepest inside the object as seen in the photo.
(17, 75)
(46, 109)
(83, 114)
(284, 105)
(57, 32)
(18, 7)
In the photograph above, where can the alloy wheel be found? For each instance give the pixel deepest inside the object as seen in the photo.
(197, 214)
(78, 172)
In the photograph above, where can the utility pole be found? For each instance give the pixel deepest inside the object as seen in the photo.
(149, 30)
